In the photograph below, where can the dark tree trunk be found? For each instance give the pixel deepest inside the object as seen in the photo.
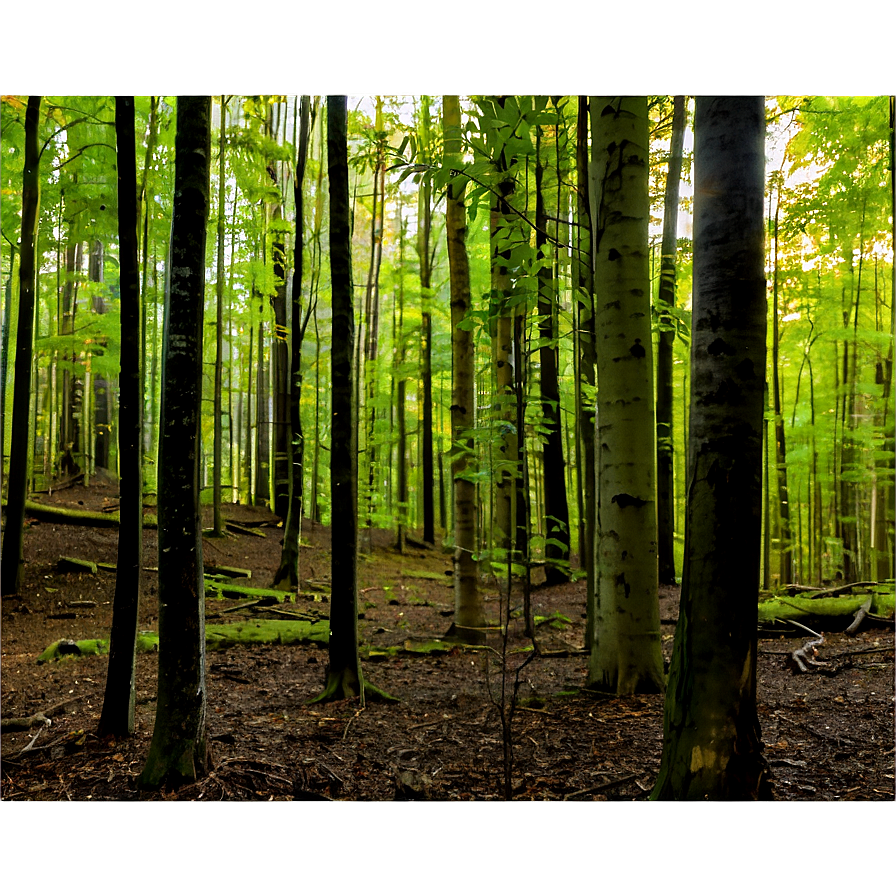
(19, 460)
(556, 508)
(179, 751)
(344, 677)
(665, 453)
(118, 704)
(288, 572)
(101, 387)
(712, 747)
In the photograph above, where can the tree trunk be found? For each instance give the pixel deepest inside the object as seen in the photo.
(584, 276)
(19, 460)
(469, 616)
(625, 654)
(288, 571)
(712, 747)
(344, 676)
(179, 751)
(118, 704)
(556, 509)
(217, 525)
(101, 386)
(423, 249)
(401, 473)
(665, 447)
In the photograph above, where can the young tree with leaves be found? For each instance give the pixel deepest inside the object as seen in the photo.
(118, 703)
(626, 657)
(711, 744)
(19, 461)
(179, 751)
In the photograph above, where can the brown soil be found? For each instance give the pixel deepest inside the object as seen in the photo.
(829, 735)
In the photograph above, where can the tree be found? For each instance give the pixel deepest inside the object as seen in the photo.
(665, 449)
(344, 675)
(288, 570)
(711, 744)
(13, 537)
(118, 704)
(625, 650)
(179, 751)
(468, 609)
(555, 504)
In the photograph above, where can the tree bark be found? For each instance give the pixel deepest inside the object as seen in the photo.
(217, 525)
(344, 676)
(118, 704)
(625, 653)
(288, 571)
(469, 616)
(13, 559)
(665, 448)
(556, 508)
(179, 751)
(712, 747)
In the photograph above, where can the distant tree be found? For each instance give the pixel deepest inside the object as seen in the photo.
(711, 745)
(118, 704)
(179, 751)
(626, 655)
(13, 536)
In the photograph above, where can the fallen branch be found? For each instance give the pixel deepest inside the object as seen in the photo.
(861, 613)
(39, 718)
(804, 656)
(599, 787)
(66, 483)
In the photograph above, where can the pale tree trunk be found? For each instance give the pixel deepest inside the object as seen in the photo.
(665, 448)
(625, 654)
(469, 615)
(712, 747)
(12, 560)
(118, 704)
(179, 751)
(401, 473)
(101, 386)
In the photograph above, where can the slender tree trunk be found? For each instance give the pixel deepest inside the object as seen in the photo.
(626, 657)
(288, 571)
(101, 386)
(218, 524)
(118, 704)
(423, 250)
(179, 751)
(13, 560)
(712, 747)
(401, 401)
(556, 509)
(665, 446)
(785, 546)
(586, 382)
(469, 616)
(344, 676)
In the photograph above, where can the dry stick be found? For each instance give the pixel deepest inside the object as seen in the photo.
(861, 613)
(597, 788)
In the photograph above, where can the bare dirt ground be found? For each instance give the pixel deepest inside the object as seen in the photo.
(828, 735)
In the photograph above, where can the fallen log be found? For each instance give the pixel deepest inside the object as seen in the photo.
(829, 608)
(243, 530)
(68, 516)
(39, 718)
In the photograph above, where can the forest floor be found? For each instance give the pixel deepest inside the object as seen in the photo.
(828, 735)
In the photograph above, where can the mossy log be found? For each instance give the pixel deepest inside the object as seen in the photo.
(443, 578)
(800, 608)
(217, 637)
(74, 564)
(240, 592)
(228, 572)
(68, 516)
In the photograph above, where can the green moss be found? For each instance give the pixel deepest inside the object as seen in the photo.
(798, 607)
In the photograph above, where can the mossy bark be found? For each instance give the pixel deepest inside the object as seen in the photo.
(179, 751)
(469, 614)
(626, 657)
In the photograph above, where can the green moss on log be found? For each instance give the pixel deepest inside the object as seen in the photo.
(217, 637)
(801, 607)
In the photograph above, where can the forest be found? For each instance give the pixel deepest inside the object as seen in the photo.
(447, 447)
